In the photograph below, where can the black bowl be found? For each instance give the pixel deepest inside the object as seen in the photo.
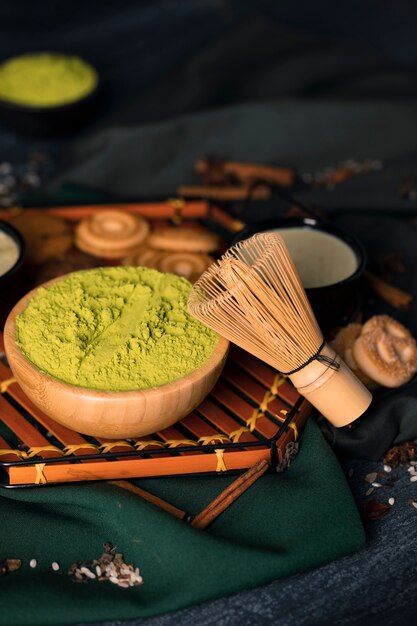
(44, 122)
(335, 303)
(11, 283)
(50, 121)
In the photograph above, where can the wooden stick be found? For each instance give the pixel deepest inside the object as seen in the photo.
(249, 172)
(151, 210)
(229, 193)
(150, 497)
(396, 297)
(229, 495)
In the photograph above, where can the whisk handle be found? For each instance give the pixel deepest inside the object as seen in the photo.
(336, 392)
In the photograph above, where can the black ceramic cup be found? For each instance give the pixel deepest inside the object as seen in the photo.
(45, 121)
(11, 281)
(330, 263)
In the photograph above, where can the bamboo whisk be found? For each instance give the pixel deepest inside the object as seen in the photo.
(253, 296)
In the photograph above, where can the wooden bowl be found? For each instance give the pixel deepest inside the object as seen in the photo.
(110, 414)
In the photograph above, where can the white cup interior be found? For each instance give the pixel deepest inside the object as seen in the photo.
(9, 252)
(321, 259)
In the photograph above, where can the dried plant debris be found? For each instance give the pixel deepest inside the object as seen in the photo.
(371, 477)
(373, 510)
(331, 176)
(379, 480)
(402, 454)
(412, 470)
(109, 567)
(16, 180)
(398, 456)
(9, 565)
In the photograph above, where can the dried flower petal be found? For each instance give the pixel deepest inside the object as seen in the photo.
(13, 564)
(110, 567)
(402, 454)
(373, 510)
(371, 478)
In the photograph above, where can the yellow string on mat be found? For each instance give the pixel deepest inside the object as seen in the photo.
(108, 447)
(221, 465)
(293, 425)
(177, 204)
(278, 381)
(260, 410)
(266, 400)
(205, 441)
(71, 449)
(21, 454)
(35, 450)
(173, 443)
(40, 476)
(235, 435)
(270, 395)
(6, 383)
(141, 445)
(251, 422)
(278, 417)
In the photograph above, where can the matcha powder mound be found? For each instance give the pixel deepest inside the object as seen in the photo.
(114, 329)
(46, 79)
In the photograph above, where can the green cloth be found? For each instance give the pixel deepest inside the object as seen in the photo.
(285, 523)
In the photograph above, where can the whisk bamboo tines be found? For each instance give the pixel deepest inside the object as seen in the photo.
(253, 296)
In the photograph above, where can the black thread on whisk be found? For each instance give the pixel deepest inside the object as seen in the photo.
(321, 358)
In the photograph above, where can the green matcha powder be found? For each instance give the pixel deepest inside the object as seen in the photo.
(114, 329)
(45, 79)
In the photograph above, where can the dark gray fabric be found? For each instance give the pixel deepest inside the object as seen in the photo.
(152, 160)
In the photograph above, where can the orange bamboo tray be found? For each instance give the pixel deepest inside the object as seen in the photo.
(174, 210)
(252, 413)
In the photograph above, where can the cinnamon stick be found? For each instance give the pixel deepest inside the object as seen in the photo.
(247, 173)
(229, 193)
(393, 295)
(229, 495)
(150, 497)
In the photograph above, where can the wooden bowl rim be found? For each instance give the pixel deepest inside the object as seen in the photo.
(218, 355)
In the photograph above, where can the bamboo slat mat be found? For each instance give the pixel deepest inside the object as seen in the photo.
(252, 413)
